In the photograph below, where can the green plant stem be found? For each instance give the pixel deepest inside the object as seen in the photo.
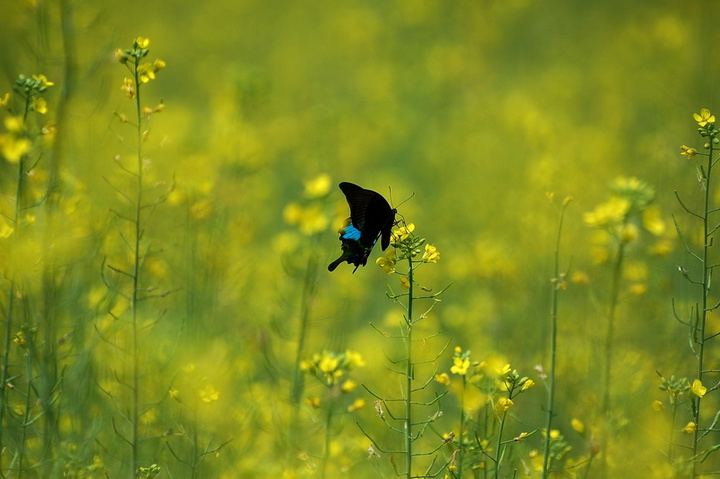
(135, 350)
(298, 381)
(195, 448)
(6, 356)
(462, 428)
(409, 372)
(26, 414)
(328, 436)
(11, 292)
(498, 446)
(610, 331)
(672, 431)
(553, 346)
(707, 275)
(605, 407)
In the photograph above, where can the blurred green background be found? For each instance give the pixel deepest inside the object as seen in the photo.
(478, 108)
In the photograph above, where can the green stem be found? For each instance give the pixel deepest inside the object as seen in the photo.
(462, 428)
(11, 291)
(672, 431)
(195, 448)
(328, 425)
(610, 332)
(409, 372)
(137, 257)
(298, 383)
(498, 446)
(609, 338)
(553, 346)
(700, 328)
(26, 414)
(6, 356)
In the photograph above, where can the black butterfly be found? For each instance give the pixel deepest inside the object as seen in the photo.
(370, 218)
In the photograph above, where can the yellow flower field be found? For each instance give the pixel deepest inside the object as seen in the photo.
(536, 298)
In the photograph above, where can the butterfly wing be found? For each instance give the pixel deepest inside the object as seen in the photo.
(371, 218)
(370, 213)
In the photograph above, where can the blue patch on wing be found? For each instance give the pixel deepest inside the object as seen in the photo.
(351, 233)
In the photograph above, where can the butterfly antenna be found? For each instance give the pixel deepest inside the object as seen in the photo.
(405, 200)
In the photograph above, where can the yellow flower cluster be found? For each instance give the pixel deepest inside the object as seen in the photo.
(142, 73)
(310, 219)
(330, 367)
(17, 142)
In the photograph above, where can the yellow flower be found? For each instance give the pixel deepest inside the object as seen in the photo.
(580, 278)
(698, 389)
(629, 233)
(504, 370)
(292, 213)
(638, 289)
(443, 379)
(305, 365)
(704, 117)
(5, 229)
(313, 402)
(19, 338)
(399, 234)
(40, 105)
(354, 359)
(142, 42)
(503, 404)
(328, 364)
(460, 366)
(527, 385)
(611, 212)
(689, 428)
(128, 87)
(43, 81)
(652, 220)
(318, 186)
(146, 72)
(387, 262)
(431, 255)
(174, 394)
(657, 405)
(13, 123)
(578, 425)
(158, 65)
(405, 282)
(12, 148)
(687, 151)
(359, 403)
(309, 220)
(209, 394)
(348, 386)
(5, 100)
(661, 248)
(120, 55)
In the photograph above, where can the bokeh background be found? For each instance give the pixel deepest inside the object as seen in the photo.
(477, 108)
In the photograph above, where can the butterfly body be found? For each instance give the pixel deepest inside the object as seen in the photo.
(371, 219)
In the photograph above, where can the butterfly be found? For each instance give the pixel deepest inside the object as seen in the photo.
(371, 218)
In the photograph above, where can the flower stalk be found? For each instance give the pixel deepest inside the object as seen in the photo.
(407, 250)
(697, 322)
(558, 284)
